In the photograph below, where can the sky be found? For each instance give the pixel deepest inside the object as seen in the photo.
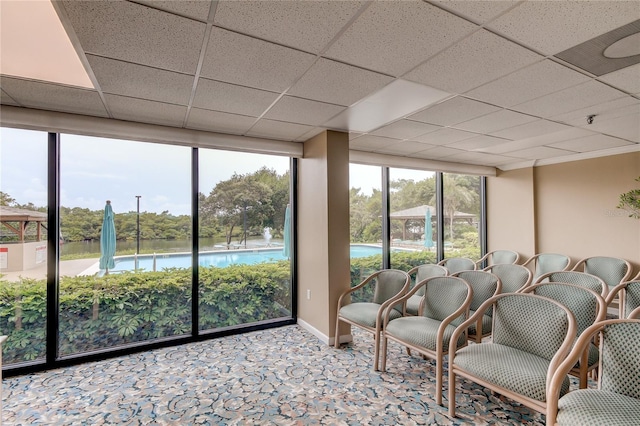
(94, 170)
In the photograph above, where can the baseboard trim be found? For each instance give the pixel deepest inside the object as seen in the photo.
(323, 337)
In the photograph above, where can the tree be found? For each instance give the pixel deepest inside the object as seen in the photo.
(458, 196)
(6, 200)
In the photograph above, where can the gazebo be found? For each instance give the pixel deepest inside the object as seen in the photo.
(21, 255)
(419, 213)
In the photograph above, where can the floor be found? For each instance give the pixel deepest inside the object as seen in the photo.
(283, 376)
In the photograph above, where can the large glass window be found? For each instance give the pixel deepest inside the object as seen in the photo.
(245, 241)
(461, 204)
(125, 223)
(23, 244)
(412, 199)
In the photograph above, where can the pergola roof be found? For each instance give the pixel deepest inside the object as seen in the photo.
(13, 214)
(419, 212)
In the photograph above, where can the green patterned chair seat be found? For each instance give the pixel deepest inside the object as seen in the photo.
(365, 313)
(421, 331)
(486, 324)
(509, 368)
(587, 407)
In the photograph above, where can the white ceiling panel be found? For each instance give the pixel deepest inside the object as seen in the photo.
(576, 97)
(393, 37)
(553, 26)
(563, 135)
(135, 33)
(139, 81)
(445, 136)
(492, 57)
(528, 83)
(590, 143)
(271, 129)
(404, 148)
(131, 109)
(308, 26)
(605, 110)
(372, 143)
(232, 98)
(247, 61)
(478, 11)
(5, 99)
(453, 111)
(337, 83)
(627, 79)
(495, 121)
(405, 129)
(625, 127)
(473, 157)
(311, 133)
(302, 111)
(529, 130)
(539, 153)
(438, 152)
(196, 9)
(221, 122)
(477, 143)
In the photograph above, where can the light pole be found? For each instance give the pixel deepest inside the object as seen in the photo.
(138, 226)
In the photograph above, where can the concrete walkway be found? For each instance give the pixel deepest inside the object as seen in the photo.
(68, 268)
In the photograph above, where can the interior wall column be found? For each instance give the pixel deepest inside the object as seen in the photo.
(323, 232)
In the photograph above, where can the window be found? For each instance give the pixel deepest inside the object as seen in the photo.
(461, 204)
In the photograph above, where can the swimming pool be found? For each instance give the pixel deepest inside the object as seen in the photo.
(220, 259)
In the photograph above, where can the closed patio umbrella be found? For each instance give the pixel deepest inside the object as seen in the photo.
(287, 232)
(428, 230)
(107, 239)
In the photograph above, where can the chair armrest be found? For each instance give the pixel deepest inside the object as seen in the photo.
(464, 326)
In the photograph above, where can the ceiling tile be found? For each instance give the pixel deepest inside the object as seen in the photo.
(453, 111)
(529, 130)
(604, 110)
(573, 98)
(303, 111)
(627, 79)
(591, 143)
(372, 143)
(477, 143)
(445, 136)
(539, 153)
(247, 61)
(529, 83)
(232, 98)
(5, 99)
(437, 152)
(197, 9)
(492, 57)
(215, 121)
(553, 26)
(278, 130)
(480, 158)
(393, 37)
(135, 33)
(139, 81)
(404, 148)
(53, 97)
(405, 129)
(308, 26)
(495, 121)
(311, 133)
(131, 109)
(562, 135)
(625, 127)
(337, 83)
(477, 11)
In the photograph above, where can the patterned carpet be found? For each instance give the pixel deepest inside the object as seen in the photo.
(283, 376)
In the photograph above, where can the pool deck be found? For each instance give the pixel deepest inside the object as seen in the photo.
(68, 268)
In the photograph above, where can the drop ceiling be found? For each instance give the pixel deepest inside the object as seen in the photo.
(504, 84)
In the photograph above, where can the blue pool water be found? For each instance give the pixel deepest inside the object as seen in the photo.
(220, 259)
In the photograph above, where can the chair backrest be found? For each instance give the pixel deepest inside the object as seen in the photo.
(531, 323)
(620, 358)
(612, 270)
(629, 293)
(499, 256)
(586, 305)
(388, 283)
(457, 264)
(512, 277)
(574, 277)
(484, 285)
(444, 296)
(548, 262)
(428, 270)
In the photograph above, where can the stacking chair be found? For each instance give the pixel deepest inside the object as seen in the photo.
(612, 270)
(498, 256)
(574, 277)
(484, 285)
(629, 295)
(446, 305)
(587, 307)
(547, 262)
(635, 314)
(457, 264)
(616, 401)
(531, 335)
(422, 272)
(388, 284)
(512, 277)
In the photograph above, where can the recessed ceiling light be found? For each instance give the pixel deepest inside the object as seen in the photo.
(36, 46)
